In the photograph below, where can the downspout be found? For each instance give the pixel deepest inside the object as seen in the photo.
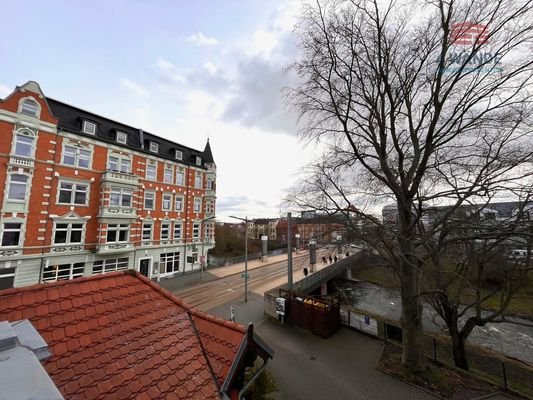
(187, 223)
(256, 375)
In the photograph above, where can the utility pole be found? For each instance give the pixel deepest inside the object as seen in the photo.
(289, 251)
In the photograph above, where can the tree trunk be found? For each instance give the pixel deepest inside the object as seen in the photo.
(413, 352)
(459, 352)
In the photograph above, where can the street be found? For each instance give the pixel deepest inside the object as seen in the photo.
(225, 284)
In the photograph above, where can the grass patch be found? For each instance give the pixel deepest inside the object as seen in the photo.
(262, 386)
(448, 383)
(379, 275)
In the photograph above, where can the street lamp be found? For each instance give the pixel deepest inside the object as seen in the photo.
(203, 241)
(245, 219)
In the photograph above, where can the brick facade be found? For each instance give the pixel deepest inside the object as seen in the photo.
(75, 202)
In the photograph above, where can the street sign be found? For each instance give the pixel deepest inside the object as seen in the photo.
(247, 276)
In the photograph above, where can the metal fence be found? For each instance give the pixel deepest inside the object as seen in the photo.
(503, 371)
(214, 261)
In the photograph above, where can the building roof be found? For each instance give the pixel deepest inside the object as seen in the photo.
(121, 336)
(71, 119)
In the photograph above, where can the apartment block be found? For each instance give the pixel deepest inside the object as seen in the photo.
(81, 194)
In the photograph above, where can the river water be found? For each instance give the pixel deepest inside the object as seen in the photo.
(507, 338)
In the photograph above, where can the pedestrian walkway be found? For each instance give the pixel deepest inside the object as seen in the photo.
(308, 367)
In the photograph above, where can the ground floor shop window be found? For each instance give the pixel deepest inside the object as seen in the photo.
(193, 258)
(59, 272)
(169, 262)
(110, 265)
(7, 278)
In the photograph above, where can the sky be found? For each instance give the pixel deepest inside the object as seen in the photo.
(183, 70)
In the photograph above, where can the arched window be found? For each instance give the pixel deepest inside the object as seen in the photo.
(30, 107)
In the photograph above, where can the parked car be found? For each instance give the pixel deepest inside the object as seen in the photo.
(517, 255)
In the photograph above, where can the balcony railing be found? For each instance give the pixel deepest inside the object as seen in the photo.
(109, 248)
(210, 193)
(21, 161)
(118, 212)
(67, 248)
(120, 177)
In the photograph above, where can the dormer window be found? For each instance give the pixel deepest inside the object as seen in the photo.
(154, 147)
(89, 127)
(178, 154)
(122, 137)
(29, 107)
(198, 160)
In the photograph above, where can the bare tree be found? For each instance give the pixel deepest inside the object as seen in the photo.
(471, 262)
(425, 102)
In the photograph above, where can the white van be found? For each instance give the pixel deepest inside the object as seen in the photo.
(517, 255)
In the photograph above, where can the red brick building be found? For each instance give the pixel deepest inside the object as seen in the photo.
(83, 195)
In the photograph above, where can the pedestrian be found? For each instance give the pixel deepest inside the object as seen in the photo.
(330, 259)
(305, 271)
(324, 260)
(335, 258)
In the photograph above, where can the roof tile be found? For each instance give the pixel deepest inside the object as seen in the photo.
(121, 336)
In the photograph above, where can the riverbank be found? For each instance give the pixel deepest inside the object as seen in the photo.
(521, 306)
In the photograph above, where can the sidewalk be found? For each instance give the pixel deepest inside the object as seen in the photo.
(307, 367)
(180, 281)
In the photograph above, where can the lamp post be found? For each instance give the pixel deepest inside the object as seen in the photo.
(245, 219)
(202, 251)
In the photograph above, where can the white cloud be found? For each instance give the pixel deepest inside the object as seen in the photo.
(134, 87)
(199, 39)
(164, 64)
(4, 91)
(210, 67)
(263, 43)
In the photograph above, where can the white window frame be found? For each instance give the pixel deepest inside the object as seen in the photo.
(26, 134)
(168, 174)
(196, 229)
(147, 226)
(165, 227)
(153, 164)
(24, 101)
(209, 184)
(154, 147)
(178, 154)
(166, 198)
(75, 185)
(118, 228)
(121, 193)
(122, 161)
(4, 230)
(198, 180)
(178, 227)
(180, 172)
(110, 265)
(89, 127)
(197, 205)
(26, 187)
(173, 259)
(73, 272)
(121, 137)
(198, 160)
(69, 231)
(181, 202)
(78, 154)
(146, 197)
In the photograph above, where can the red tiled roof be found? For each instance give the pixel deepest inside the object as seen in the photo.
(121, 336)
